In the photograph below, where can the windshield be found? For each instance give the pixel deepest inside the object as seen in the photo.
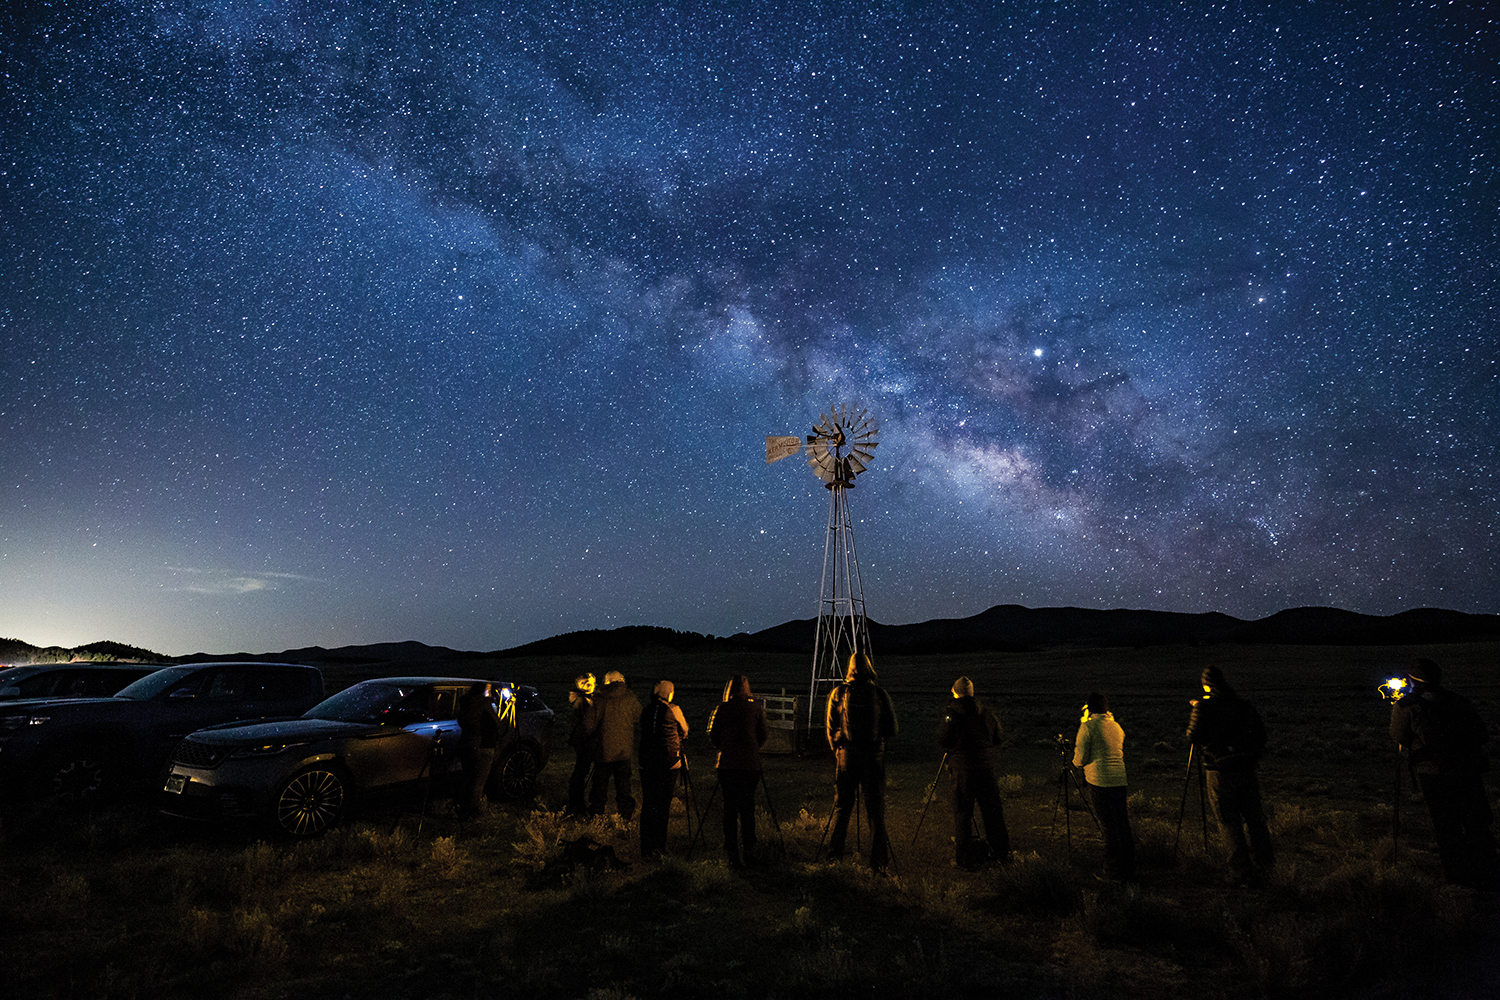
(366, 702)
(154, 683)
(10, 675)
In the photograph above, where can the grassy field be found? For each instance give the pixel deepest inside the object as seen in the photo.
(406, 903)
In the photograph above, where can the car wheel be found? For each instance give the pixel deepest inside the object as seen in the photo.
(311, 801)
(78, 778)
(518, 771)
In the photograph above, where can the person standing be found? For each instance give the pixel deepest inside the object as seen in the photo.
(662, 733)
(858, 721)
(479, 734)
(579, 699)
(737, 729)
(1444, 737)
(1230, 738)
(1099, 748)
(967, 733)
(610, 722)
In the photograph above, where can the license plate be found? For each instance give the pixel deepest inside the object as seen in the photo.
(176, 783)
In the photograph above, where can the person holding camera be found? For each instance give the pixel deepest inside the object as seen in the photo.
(968, 732)
(1099, 748)
(1230, 739)
(858, 721)
(1444, 739)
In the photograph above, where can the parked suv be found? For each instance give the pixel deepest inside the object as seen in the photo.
(79, 748)
(302, 775)
(70, 680)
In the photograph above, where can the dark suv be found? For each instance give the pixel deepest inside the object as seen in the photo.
(79, 748)
(302, 775)
(70, 680)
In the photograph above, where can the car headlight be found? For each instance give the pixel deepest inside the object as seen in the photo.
(15, 723)
(268, 749)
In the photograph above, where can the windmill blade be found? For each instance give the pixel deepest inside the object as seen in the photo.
(855, 465)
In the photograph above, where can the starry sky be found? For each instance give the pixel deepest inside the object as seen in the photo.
(465, 322)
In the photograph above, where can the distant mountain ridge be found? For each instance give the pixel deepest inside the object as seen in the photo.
(1001, 629)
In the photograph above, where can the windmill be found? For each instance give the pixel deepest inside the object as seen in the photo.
(841, 446)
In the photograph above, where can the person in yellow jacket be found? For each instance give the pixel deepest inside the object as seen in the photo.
(1099, 749)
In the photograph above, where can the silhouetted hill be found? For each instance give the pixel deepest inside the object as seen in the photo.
(16, 651)
(1005, 628)
(626, 641)
(1013, 628)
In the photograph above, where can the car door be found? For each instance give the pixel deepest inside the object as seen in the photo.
(407, 748)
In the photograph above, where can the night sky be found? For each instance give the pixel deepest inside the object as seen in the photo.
(465, 323)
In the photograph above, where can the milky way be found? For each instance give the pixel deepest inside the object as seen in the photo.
(326, 324)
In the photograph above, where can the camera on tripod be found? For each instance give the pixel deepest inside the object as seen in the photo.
(1064, 748)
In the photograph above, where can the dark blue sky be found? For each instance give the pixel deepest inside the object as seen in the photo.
(336, 323)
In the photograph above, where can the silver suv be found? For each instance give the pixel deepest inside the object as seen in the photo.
(302, 775)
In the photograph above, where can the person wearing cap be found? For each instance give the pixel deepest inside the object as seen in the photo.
(858, 721)
(968, 732)
(1099, 748)
(1444, 737)
(1230, 739)
(663, 728)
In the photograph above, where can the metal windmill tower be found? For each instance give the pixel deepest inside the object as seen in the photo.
(839, 448)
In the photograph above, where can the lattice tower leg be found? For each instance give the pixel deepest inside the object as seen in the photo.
(842, 629)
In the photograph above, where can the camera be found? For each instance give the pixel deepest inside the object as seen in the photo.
(1064, 747)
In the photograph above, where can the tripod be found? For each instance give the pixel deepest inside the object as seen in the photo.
(1195, 759)
(687, 800)
(858, 841)
(770, 810)
(1067, 780)
(931, 791)
(424, 778)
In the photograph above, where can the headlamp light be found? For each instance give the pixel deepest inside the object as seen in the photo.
(15, 723)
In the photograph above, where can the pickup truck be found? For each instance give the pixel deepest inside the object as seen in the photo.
(81, 749)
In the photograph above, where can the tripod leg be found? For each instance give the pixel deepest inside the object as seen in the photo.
(1067, 811)
(931, 791)
(687, 799)
(771, 810)
(1182, 808)
(1203, 801)
(1088, 805)
(1396, 813)
(693, 841)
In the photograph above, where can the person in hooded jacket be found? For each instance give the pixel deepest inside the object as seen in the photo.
(610, 722)
(1230, 739)
(858, 721)
(1099, 748)
(663, 730)
(737, 729)
(1444, 737)
(968, 732)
